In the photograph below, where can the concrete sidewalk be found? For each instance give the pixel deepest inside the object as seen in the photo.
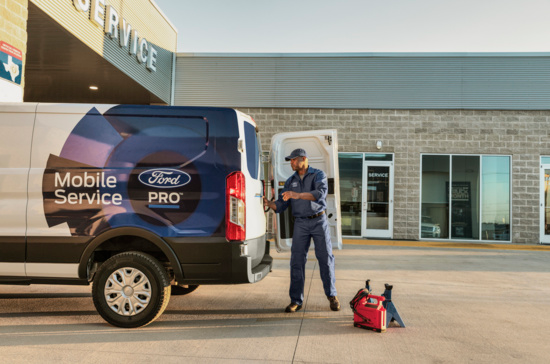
(448, 244)
(459, 305)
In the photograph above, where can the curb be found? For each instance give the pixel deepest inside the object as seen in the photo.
(441, 244)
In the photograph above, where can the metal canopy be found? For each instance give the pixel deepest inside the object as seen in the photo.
(60, 68)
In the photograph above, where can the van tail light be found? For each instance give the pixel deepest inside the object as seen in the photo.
(235, 207)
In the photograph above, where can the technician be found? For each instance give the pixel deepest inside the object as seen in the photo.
(306, 191)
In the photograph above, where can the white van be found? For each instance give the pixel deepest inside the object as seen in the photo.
(136, 199)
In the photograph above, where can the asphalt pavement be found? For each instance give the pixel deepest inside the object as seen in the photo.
(460, 303)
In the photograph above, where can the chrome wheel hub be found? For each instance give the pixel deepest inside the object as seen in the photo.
(127, 291)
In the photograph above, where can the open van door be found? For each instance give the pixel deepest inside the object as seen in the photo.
(322, 149)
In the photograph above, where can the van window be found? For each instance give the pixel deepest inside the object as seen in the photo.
(159, 126)
(252, 150)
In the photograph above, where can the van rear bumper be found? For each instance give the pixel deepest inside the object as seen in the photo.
(217, 261)
(246, 265)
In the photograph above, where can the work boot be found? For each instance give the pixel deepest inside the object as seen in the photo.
(334, 303)
(293, 307)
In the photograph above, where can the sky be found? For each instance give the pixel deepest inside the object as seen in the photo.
(325, 26)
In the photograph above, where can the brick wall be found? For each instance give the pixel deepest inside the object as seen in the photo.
(525, 135)
(13, 26)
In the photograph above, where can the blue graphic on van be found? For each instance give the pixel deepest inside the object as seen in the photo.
(158, 168)
(164, 178)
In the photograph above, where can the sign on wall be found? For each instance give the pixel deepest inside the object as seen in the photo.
(107, 17)
(11, 63)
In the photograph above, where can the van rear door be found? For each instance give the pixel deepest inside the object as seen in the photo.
(322, 149)
(255, 217)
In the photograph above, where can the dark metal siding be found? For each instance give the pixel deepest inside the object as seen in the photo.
(400, 81)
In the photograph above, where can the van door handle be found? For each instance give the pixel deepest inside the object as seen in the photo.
(258, 195)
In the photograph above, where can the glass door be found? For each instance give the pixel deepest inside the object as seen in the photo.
(545, 204)
(351, 192)
(377, 205)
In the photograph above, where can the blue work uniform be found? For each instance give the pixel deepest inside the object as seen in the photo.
(309, 224)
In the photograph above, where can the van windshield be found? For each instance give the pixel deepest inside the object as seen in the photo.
(252, 150)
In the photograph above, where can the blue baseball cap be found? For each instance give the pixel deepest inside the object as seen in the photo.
(296, 153)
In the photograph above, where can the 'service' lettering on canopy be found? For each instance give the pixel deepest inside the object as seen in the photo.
(107, 17)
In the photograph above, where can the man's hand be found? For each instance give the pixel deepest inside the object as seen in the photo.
(298, 196)
(287, 195)
(270, 204)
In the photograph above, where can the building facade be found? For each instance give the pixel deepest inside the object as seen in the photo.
(432, 146)
(451, 147)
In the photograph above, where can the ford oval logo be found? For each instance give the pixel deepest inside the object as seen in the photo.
(164, 178)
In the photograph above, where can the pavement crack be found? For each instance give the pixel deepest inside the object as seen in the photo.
(304, 311)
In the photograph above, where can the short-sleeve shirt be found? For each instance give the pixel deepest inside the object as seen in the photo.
(314, 182)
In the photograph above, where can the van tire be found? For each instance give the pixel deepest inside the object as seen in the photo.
(183, 290)
(120, 275)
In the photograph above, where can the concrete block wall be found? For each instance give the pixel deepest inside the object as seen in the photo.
(13, 22)
(525, 135)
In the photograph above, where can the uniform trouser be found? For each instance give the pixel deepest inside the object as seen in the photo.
(304, 230)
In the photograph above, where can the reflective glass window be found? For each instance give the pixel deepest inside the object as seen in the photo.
(252, 150)
(351, 180)
(495, 218)
(465, 197)
(379, 157)
(435, 196)
(476, 201)
(378, 197)
(546, 201)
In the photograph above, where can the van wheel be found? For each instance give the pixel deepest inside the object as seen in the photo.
(183, 290)
(131, 289)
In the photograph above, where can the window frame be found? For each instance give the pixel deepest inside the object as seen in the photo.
(480, 239)
(363, 156)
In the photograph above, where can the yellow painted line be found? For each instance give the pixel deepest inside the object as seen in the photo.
(442, 244)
